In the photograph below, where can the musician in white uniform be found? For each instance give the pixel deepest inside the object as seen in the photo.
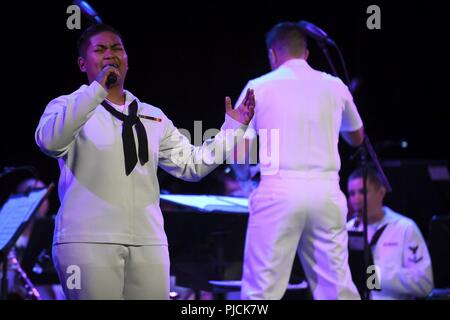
(298, 207)
(109, 240)
(400, 252)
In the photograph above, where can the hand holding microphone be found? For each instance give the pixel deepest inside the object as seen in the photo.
(109, 76)
(110, 80)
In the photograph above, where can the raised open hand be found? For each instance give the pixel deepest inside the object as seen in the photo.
(244, 113)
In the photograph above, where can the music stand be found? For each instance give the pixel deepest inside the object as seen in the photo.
(37, 257)
(209, 203)
(207, 206)
(15, 215)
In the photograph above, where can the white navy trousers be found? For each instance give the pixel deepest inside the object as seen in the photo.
(304, 213)
(113, 271)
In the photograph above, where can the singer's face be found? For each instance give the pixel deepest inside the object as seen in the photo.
(356, 197)
(104, 48)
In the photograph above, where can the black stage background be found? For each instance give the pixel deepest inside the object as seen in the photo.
(185, 57)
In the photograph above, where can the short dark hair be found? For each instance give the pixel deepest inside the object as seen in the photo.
(83, 40)
(287, 36)
(372, 175)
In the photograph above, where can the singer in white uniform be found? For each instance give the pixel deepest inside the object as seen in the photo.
(298, 206)
(400, 252)
(109, 241)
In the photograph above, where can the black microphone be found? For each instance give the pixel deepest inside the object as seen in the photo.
(315, 32)
(112, 79)
(88, 11)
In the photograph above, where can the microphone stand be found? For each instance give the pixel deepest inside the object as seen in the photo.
(367, 155)
(323, 45)
(366, 152)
